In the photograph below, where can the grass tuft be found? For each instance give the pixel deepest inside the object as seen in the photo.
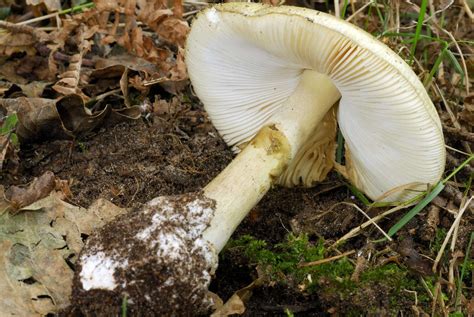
(419, 26)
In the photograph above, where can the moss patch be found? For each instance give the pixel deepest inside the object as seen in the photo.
(379, 285)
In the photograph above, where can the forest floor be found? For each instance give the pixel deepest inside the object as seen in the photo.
(99, 96)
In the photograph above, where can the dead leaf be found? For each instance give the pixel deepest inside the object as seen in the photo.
(51, 5)
(34, 89)
(41, 118)
(19, 38)
(38, 118)
(173, 30)
(40, 187)
(178, 9)
(236, 303)
(16, 43)
(69, 82)
(35, 248)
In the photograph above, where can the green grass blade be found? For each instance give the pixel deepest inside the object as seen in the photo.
(78, 8)
(435, 68)
(380, 15)
(124, 307)
(344, 9)
(419, 25)
(415, 210)
(454, 61)
(447, 178)
(9, 124)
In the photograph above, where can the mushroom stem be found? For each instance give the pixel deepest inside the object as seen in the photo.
(242, 184)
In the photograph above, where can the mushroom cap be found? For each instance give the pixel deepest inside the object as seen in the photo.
(244, 60)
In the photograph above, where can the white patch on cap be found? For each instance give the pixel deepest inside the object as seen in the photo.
(98, 271)
(213, 16)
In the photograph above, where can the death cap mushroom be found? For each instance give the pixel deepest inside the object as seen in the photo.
(245, 60)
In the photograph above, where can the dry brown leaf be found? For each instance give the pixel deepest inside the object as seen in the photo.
(35, 248)
(37, 46)
(51, 5)
(16, 43)
(38, 118)
(115, 66)
(8, 72)
(236, 303)
(178, 71)
(234, 306)
(178, 9)
(69, 82)
(34, 89)
(18, 38)
(41, 118)
(173, 30)
(40, 187)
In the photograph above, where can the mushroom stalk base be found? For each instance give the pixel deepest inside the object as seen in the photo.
(241, 185)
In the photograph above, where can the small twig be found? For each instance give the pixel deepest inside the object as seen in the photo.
(370, 219)
(186, 14)
(337, 10)
(136, 191)
(355, 231)
(191, 2)
(457, 151)
(412, 292)
(16, 28)
(435, 298)
(450, 232)
(467, 9)
(359, 10)
(56, 14)
(333, 258)
(425, 286)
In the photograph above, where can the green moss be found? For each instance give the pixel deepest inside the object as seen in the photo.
(435, 245)
(281, 264)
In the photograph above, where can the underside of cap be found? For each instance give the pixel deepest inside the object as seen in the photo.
(245, 60)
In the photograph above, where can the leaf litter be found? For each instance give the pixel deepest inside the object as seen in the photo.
(104, 111)
(38, 246)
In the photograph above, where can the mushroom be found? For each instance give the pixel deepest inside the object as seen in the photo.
(270, 79)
